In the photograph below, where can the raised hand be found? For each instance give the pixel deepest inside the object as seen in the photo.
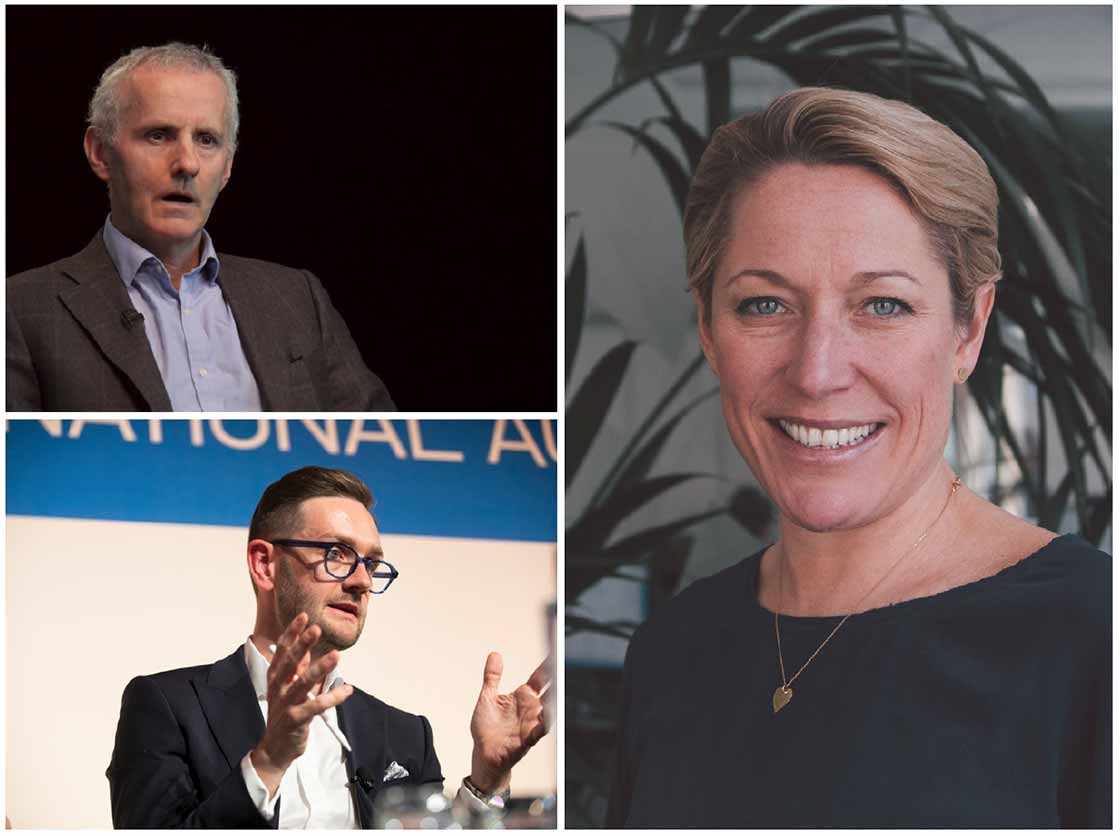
(292, 676)
(506, 726)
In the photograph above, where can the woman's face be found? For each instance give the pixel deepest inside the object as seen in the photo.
(832, 322)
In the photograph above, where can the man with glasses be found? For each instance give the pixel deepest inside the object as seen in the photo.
(271, 735)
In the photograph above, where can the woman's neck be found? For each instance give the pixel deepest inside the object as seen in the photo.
(819, 573)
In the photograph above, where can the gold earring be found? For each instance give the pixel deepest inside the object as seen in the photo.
(962, 375)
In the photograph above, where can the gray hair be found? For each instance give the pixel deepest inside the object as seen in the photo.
(107, 103)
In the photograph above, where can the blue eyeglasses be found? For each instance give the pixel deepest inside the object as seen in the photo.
(341, 561)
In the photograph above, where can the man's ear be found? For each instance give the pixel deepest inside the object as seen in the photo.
(262, 564)
(227, 172)
(98, 152)
(972, 337)
(704, 326)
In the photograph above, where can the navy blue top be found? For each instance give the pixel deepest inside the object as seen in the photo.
(988, 705)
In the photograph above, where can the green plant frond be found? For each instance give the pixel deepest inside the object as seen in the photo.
(831, 22)
(690, 140)
(709, 25)
(717, 92)
(641, 461)
(1100, 516)
(647, 425)
(961, 43)
(898, 17)
(616, 44)
(666, 99)
(1030, 90)
(575, 297)
(651, 32)
(675, 175)
(641, 546)
(825, 43)
(757, 22)
(583, 571)
(1070, 417)
(596, 525)
(1026, 210)
(587, 411)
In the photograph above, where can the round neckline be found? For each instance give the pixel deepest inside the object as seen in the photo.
(946, 595)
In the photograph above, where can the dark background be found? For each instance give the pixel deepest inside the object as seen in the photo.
(407, 156)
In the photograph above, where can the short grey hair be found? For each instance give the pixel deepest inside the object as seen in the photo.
(107, 103)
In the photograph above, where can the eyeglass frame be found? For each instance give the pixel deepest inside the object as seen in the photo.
(368, 562)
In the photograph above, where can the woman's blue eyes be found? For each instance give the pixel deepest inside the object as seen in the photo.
(760, 306)
(889, 307)
(767, 306)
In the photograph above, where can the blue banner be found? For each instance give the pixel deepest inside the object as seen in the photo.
(485, 479)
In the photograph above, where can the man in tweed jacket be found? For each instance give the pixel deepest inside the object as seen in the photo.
(149, 316)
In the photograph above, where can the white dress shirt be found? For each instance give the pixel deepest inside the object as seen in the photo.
(314, 792)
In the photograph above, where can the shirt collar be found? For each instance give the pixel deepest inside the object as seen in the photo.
(258, 671)
(128, 256)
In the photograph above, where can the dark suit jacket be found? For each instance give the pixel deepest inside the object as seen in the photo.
(69, 347)
(182, 734)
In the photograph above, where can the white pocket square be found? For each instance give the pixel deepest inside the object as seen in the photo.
(393, 772)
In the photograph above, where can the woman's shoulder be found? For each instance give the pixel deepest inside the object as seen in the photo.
(1076, 565)
(1067, 581)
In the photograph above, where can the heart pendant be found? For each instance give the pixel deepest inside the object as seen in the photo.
(782, 695)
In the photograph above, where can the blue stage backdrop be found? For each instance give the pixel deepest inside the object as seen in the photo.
(482, 479)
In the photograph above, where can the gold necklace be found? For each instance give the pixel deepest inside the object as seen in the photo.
(784, 693)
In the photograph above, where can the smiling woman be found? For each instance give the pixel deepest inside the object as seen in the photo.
(951, 660)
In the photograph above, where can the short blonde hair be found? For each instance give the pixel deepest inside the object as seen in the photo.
(944, 180)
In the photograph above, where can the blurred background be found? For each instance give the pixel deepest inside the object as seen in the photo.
(657, 496)
(125, 555)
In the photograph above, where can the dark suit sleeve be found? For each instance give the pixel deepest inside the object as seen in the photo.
(150, 782)
(350, 385)
(431, 772)
(22, 383)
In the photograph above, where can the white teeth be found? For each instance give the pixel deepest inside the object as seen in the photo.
(828, 439)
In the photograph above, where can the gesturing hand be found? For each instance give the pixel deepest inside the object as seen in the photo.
(506, 726)
(291, 678)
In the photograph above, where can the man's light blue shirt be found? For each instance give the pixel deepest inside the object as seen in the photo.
(191, 330)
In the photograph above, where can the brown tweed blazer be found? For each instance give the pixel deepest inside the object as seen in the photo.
(69, 347)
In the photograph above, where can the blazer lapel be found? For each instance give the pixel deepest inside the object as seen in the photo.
(230, 704)
(97, 301)
(364, 727)
(260, 315)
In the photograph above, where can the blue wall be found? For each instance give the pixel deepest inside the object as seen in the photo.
(483, 479)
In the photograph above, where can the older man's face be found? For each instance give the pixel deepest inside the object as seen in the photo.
(170, 158)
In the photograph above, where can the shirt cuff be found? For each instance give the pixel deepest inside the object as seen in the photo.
(472, 801)
(258, 792)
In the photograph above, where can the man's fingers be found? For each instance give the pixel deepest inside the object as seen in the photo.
(538, 731)
(492, 672)
(317, 673)
(283, 644)
(305, 712)
(541, 678)
(292, 655)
